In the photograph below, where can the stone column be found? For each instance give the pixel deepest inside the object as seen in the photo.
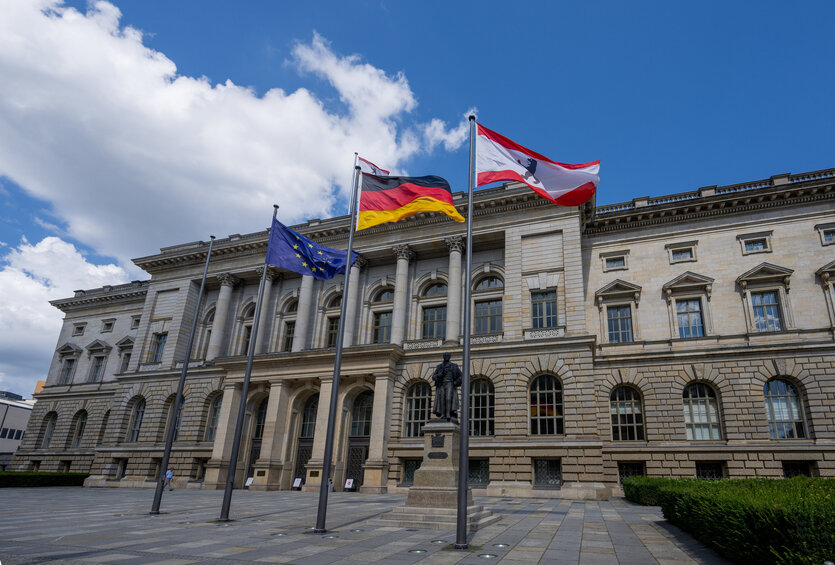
(304, 315)
(351, 307)
(404, 254)
(317, 457)
(272, 275)
(218, 465)
(453, 305)
(376, 466)
(218, 338)
(270, 464)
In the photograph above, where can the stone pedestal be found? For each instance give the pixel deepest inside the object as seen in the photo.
(432, 502)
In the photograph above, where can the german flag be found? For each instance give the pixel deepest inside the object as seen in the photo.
(389, 199)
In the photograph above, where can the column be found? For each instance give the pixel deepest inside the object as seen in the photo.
(272, 275)
(376, 466)
(317, 458)
(218, 465)
(453, 305)
(404, 254)
(304, 315)
(270, 464)
(351, 307)
(218, 338)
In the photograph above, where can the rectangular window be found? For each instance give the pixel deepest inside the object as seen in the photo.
(615, 263)
(766, 311)
(479, 472)
(409, 468)
(488, 316)
(247, 339)
(125, 361)
(546, 473)
(682, 254)
(66, 372)
(689, 313)
(434, 322)
(630, 469)
(333, 330)
(134, 322)
(3, 433)
(829, 236)
(544, 309)
(754, 245)
(382, 327)
(158, 347)
(97, 369)
(78, 329)
(797, 469)
(18, 434)
(620, 323)
(711, 471)
(106, 326)
(289, 334)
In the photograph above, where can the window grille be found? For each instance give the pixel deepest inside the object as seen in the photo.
(546, 406)
(311, 407)
(627, 416)
(701, 412)
(482, 407)
(546, 473)
(710, 471)
(797, 469)
(418, 400)
(782, 408)
(409, 468)
(361, 414)
(479, 472)
(630, 469)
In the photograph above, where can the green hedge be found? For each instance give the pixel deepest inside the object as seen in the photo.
(749, 520)
(39, 479)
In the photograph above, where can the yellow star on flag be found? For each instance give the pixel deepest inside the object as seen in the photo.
(319, 252)
(296, 246)
(299, 256)
(304, 264)
(310, 245)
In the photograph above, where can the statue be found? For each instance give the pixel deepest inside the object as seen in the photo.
(447, 379)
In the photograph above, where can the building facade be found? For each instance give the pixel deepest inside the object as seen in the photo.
(686, 335)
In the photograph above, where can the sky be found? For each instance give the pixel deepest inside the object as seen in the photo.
(130, 125)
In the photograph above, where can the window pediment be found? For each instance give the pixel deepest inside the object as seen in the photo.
(689, 281)
(619, 289)
(125, 343)
(827, 272)
(98, 346)
(765, 273)
(68, 349)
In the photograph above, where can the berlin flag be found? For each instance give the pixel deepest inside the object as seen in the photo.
(500, 159)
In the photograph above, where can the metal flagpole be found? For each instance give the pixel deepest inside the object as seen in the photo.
(239, 424)
(464, 449)
(175, 409)
(337, 366)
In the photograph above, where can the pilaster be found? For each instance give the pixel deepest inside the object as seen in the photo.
(404, 254)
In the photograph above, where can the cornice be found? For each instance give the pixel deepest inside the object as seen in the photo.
(131, 292)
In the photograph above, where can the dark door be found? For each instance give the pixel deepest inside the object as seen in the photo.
(357, 454)
(303, 453)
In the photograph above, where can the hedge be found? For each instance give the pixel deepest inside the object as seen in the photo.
(749, 520)
(39, 479)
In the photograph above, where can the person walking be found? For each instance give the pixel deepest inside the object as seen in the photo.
(169, 475)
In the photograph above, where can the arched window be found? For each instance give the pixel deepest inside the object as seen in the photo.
(434, 313)
(418, 400)
(77, 432)
(782, 407)
(482, 407)
(49, 429)
(361, 414)
(489, 283)
(311, 407)
(546, 406)
(103, 428)
(627, 416)
(701, 412)
(214, 414)
(381, 310)
(260, 418)
(335, 302)
(136, 420)
(246, 322)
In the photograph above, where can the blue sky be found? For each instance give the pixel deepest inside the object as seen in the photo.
(115, 143)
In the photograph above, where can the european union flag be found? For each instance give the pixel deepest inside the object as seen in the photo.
(294, 252)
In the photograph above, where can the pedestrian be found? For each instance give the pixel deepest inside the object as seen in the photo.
(169, 475)
(330, 485)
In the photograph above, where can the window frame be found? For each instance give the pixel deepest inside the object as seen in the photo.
(78, 329)
(798, 424)
(491, 293)
(482, 408)
(535, 396)
(544, 318)
(767, 277)
(824, 231)
(617, 409)
(69, 364)
(689, 404)
(97, 367)
(135, 423)
(620, 307)
(617, 294)
(412, 424)
(607, 256)
(213, 417)
(433, 302)
(50, 423)
(673, 248)
(79, 426)
(749, 238)
(157, 351)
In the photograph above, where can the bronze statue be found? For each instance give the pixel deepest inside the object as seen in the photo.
(447, 379)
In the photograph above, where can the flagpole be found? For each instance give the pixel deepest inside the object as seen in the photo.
(464, 449)
(337, 366)
(236, 444)
(172, 418)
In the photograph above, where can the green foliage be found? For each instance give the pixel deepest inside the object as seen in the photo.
(783, 521)
(38, 479)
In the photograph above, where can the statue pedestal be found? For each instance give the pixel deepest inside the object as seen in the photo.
(432, 502)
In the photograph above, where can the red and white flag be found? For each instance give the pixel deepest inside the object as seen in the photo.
(500, 159)
(370, 168)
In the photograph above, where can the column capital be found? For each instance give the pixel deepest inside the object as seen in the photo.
(403, 252)
(272, 273)
(361, 262)
(227, 279)
(455, 243)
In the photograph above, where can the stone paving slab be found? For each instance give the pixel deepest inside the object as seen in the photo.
(77, 526)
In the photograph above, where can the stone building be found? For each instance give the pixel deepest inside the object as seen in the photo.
(686, 335)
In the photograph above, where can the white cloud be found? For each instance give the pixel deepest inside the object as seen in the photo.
(134, 156)
(31, 276)
(436, 132)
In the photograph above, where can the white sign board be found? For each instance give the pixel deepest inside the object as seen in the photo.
(349, 483)
(249, 481)
(297, 483)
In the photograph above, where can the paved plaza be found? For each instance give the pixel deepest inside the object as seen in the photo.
(75, 525)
